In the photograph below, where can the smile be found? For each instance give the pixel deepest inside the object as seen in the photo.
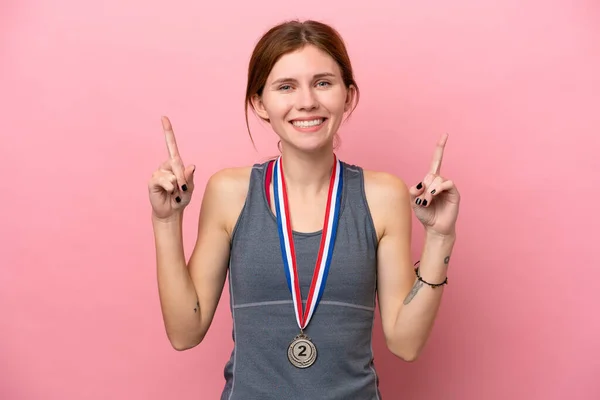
(308, 124)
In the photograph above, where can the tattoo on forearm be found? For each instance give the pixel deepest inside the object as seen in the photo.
(197, 306)
(447, 260)
(413, 292)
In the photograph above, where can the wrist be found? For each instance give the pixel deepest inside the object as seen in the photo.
(172, 220)
(442, 239)
(435, 258)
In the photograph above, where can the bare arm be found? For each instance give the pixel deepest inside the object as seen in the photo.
(408, 307)
(189, 294)
(419, 309)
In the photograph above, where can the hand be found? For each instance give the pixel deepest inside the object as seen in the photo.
(172, 184)
(435, 200)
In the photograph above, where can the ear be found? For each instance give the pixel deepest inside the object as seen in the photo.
(350, 95)
(259, 107)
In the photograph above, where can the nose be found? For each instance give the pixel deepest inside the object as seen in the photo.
(306, 100)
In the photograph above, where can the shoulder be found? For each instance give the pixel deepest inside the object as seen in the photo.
(383, 185)
(229, 185)
(235, 178)
(226, 180)
(226, 190)
(379, 185)
(388, 198)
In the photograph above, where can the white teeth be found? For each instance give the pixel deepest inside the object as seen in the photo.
(307, 124)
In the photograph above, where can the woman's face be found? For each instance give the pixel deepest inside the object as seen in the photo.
(305, 99)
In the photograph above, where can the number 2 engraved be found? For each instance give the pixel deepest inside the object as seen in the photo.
(302, 351)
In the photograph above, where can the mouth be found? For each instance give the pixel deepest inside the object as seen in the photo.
(308, 123)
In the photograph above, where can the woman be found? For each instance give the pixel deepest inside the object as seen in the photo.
(310, 242)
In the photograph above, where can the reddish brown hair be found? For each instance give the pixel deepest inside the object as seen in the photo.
(288, 37)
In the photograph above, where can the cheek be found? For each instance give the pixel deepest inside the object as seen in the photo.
(278, 107)
(334, 101)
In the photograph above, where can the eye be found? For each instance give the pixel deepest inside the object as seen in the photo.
(323, 84)
(285, 87)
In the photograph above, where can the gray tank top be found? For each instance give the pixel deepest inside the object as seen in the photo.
(264, 322)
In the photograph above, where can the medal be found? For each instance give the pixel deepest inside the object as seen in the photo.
(302, 352)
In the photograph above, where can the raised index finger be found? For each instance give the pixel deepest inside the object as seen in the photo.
(170, 138)
(438, 155)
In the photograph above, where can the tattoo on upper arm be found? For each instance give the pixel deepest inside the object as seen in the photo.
(197, 306)
(413, 292)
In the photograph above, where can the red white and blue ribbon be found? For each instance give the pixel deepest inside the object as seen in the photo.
(288, 253)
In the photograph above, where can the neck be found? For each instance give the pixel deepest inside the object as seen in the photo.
(308, 173)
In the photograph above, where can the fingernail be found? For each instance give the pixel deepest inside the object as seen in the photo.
(433, 191)
(420, 185)
(184, 188)
(424, 203)
(178, 199)
(418, 201)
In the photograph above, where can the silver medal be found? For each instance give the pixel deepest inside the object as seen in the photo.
(302, 352)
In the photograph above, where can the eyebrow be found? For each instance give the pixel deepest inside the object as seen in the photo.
(317, 76)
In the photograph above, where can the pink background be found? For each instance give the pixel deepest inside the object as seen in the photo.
(83, 86)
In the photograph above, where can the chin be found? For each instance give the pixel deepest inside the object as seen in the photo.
(311, 144)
